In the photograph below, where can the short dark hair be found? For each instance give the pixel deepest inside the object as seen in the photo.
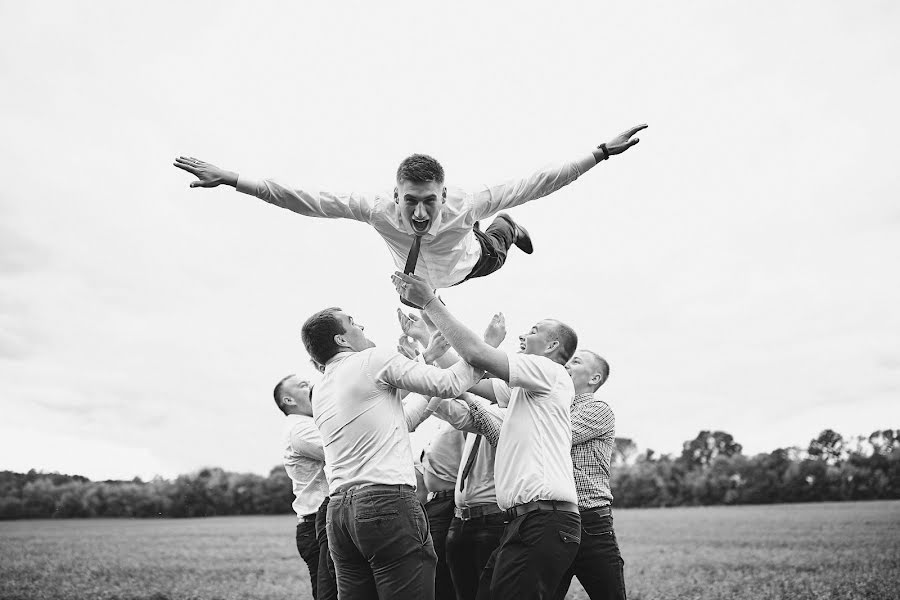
(420, 168)
(568, 340)
(602, 367)
(318, 335)
(277, 392)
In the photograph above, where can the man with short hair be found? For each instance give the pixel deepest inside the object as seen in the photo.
(377, 530)
(452, 248)
(304, 462)
(598, 563)
(533, 464)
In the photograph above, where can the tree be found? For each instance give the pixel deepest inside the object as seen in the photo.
(828, 447)
(700, 451)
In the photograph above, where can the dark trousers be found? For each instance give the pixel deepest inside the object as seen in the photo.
(495, 243)
(379, 541)
(470, 544)
(598, 564)
(327, 585)
(440, 513)
(308, 547)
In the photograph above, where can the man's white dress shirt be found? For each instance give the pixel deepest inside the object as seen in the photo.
(449, 250)
(304, 462)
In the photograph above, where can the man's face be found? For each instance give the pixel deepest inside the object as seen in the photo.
(298, 390)
(536, 340)
(353, 333)
(420, 203)
(582, 367)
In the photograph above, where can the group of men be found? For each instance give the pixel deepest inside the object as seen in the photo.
(518, 476)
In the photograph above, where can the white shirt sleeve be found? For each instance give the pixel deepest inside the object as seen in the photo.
(398, 371)
(502, 391)
(307, 441)
(531, 372)
(309, 203)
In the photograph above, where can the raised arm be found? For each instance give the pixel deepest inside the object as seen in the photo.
(494, 199)
(468, 344)
(402, 373)
(308, 203)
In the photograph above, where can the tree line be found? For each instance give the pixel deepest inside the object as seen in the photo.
(711, 469)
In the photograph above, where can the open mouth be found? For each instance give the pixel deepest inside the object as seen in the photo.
(522, 346)
(420, 225)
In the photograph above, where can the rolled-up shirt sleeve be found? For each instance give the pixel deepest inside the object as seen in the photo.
(488, 419)
(494, 199)
(400, 372)
(310, 203)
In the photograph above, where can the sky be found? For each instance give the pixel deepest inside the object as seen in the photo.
(737, 268)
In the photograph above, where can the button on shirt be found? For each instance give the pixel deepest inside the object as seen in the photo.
(593, 440)
(534, 460)
(358, 410)
(304, 462)
(449, 250)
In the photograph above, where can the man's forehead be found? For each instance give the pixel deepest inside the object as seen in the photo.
(427, 188)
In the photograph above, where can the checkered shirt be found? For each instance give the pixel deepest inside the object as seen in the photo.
(593, 440)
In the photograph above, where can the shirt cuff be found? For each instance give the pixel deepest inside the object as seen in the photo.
(246, 186)
(583, 164)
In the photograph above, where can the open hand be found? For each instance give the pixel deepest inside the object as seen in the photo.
(412, 288)
(623, 141)
(407, 348)
(208, 175)
(437, 347)
(414, 326)
(496, 330)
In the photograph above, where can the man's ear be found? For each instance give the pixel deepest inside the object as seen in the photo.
(552, 346)
(341, 341)
(596, 379)
(396, 196)
(287, 400)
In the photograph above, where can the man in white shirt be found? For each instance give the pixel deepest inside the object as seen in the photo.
(304, 462)
(377, 530)
(452, 248)
(533, 466)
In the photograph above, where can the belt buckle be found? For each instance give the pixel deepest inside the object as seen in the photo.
(466, 513)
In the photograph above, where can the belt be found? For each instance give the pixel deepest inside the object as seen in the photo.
(308, 518)
(473, 512)
(440, 495)
(378, 487)
(548, 505)
(600, 511)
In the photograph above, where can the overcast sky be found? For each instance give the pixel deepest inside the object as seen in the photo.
(738, 268)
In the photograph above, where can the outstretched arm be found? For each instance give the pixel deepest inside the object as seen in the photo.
(311, 204)
(468, 344)
(494, 199)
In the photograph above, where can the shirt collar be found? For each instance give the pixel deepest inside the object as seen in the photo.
(579, 398)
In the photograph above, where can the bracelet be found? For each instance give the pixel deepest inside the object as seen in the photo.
(433, 298)
(605, 151)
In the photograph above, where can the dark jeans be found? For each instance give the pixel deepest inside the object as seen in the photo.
(440, 513)
(495, 243)
(470, 544)
(308, 547)
(598, 564)
(327, 583)
(535, 552)
(379, 541)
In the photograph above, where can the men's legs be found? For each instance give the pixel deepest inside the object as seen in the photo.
(390, 530)
(353, 574)
(440, 513)
(598, 564)
(308, 547)
(534, 554)
(327, 586)
(469, 547)
(495, 243)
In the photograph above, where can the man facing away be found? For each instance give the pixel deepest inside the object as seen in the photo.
(377, 530)
(598, 564)
(304, 462)
(533, 464)
(452, 248)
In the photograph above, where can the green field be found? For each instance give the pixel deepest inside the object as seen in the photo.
(802, 551)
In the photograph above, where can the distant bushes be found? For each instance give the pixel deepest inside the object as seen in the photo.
(710, 470)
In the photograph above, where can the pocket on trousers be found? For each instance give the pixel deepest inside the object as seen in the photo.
(568, 537)
(599, 527)
(376, 509)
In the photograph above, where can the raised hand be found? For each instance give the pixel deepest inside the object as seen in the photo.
(437, 347)
(414, 327)
(207, 175)
(496, 330)
(623, 141)
(407, 348)
(412, 288)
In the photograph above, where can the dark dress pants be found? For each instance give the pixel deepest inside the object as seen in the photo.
(308, 547)
(440, 513)
(470, 544)
(534, 554)
(327, 585)
(379, 541)
(598, 564)
(495, 243)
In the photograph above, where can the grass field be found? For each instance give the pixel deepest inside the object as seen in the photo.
(804, 551)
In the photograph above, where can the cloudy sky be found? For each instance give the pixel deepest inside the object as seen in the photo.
(738, 268)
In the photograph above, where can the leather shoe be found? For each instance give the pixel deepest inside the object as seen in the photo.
(523, 240)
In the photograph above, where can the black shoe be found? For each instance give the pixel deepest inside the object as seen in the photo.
(523, 240)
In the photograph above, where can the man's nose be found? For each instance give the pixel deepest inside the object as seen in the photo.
(421, 213)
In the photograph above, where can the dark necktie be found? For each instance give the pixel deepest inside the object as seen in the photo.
(410, 267)
(469, 462)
